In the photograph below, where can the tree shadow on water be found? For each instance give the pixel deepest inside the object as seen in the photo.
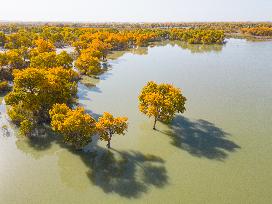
(42, 139)
(39, 144)
(129, 174)
(85, 88)
(126, 173)
(201, 138)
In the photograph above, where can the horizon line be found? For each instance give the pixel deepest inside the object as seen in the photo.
(130, 22)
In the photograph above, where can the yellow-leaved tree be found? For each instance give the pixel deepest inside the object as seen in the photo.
(42, 45)
(161, 101)
(3, 38)
(107, 126)
(101, 46)
(76, 126)
(51, 59)
(34, 93)
(4, 86)
(88, 64)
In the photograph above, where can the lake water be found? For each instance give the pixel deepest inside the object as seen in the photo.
(219, 151)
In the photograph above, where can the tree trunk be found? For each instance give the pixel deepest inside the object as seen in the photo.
(108, 145)
(109, 142)
(154, 126)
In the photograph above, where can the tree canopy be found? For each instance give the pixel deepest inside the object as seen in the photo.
(107, 126)
(76, 126)
(51, 59)
(36, 90)
(161, 101)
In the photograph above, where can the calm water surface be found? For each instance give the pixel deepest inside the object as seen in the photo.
(219, 151)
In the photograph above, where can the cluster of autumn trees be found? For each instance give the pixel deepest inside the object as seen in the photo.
(46, 95)
(93, 46)
(258, 31)
(229, 27)
(78, 127)
(198, 36)
(45, 82)
(41, 56)
(35, 45)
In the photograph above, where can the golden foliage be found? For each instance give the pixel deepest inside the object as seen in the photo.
(21, 38)
(4, 86)
(44, 46)
(2, 39)
(51, 59)
(198, 36)
(88, 64)
(76, 126)
(107, 126)
(161, 101)
(43, 60)
(14, 59)
(36, 90)
(258, 31)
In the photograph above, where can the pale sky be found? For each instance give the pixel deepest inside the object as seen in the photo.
(135, 10)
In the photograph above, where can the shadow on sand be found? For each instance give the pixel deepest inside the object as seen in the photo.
(201, 138)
